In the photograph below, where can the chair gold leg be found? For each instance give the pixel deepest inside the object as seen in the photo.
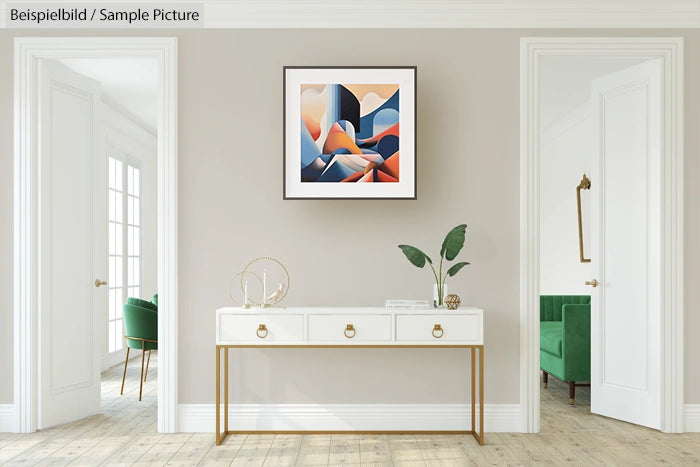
(143, 354)
(147, 363)
(124, 377)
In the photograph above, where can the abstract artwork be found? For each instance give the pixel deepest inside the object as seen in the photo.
(349, 132)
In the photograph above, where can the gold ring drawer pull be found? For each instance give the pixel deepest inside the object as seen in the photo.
(262, 329)
(349, 329)
(438, 329)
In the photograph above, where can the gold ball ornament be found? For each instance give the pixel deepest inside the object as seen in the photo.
(452, 302)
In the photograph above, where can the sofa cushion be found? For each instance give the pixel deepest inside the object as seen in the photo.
(551, 336)
(551, 305)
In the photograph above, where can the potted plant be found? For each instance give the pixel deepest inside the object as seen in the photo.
(451, 246)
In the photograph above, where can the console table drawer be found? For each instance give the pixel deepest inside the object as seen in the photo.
(439, 328)
(349, 328)
(261, 328)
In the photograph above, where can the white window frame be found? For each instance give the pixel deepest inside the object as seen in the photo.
(127, 160)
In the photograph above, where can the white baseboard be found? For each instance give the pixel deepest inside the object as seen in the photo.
(691, 418)
(115, 358)
(200, 418)
(361, 417)
(8, 420)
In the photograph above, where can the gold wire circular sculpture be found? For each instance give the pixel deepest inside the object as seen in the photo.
(242, 288)
(282, 288)
(452, 301)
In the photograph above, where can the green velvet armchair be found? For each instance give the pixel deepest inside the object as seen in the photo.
(142, 303)
(565, 339)
(141, 327)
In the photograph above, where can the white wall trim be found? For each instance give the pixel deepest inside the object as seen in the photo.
(109, 360)
(27, 52)
(670, 51)
(8, 418)
(124, 126)
(359, 417)
(116, 107)
(691, 418)
(443, 14)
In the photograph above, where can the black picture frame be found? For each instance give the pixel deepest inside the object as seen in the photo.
(406, 185)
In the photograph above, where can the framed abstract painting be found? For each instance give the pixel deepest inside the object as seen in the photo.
(349, 132)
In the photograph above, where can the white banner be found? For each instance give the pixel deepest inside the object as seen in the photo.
(104, 15)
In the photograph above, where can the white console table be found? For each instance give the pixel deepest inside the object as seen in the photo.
(334, 327)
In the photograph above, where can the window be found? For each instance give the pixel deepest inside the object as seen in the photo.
(124, 242)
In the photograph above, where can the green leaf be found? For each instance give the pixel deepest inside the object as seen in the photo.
(453, 243)
(455, 269)
(415, 256)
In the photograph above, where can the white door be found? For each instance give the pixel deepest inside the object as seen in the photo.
(73, 249)
(626, 244)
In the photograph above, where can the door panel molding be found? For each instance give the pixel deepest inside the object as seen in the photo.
(670, 51)
(27, 53)
(68, 123)
(626, 220)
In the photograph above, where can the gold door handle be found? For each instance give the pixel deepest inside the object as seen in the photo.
(349, 328)
(262, 328)
(437, 329)
(99, 282)
(592, 283)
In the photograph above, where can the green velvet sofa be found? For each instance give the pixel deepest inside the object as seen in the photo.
(565, 339)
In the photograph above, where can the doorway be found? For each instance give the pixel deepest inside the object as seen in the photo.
(603, 56)
(91, 56)
(599, 118)
(126, 187)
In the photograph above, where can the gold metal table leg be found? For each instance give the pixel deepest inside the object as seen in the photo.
(478, 434)
(218, 394)
(481, 395)
(225, 391)
(473, 382)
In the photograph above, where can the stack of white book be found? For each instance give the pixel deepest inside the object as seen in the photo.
(407, 304)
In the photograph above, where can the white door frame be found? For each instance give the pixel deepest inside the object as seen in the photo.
(670, 51)
(27, 52)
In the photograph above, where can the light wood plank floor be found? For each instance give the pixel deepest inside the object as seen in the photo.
(125, 433)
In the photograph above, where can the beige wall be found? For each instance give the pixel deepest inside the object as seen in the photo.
(344, 252)
(692, 217)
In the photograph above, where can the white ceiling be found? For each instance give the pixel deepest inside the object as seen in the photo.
(565, 83)
(128, 84)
